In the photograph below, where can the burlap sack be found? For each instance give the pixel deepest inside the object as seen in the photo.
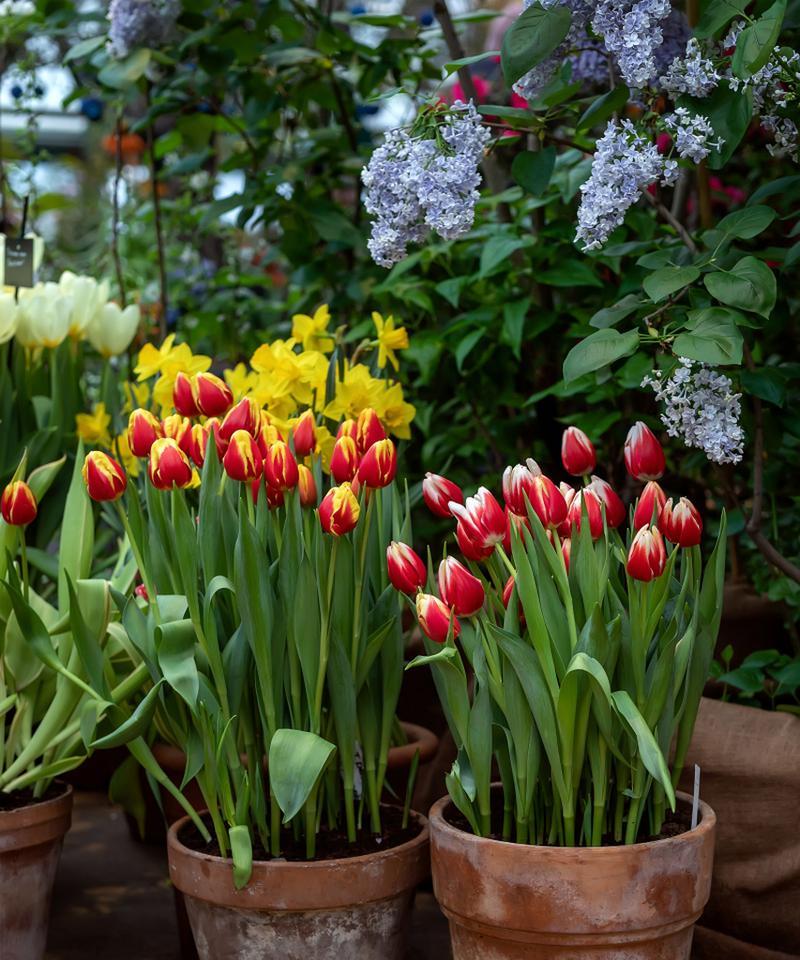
(750, 775)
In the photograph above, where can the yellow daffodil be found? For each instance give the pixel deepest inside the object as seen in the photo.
(136, 395)
(241, 381)
(151, 359)
(395, 413)
(325, 444)
(311, 331)
(356, 391)
(92, 427)
(390, 339)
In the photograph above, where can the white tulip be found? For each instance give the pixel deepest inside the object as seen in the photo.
(88, 296)
(8, 316)
(44, 316)
(112, 329)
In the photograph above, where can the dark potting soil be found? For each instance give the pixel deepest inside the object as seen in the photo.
(331, 844)
(18, 799)
(675, 824)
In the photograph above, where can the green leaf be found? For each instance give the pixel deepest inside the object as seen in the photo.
(514, 315)
(572, 273)
(33, 629)
(466, 346)
(137, 724)
(756, 42)
(297, 759)
(603, 107)
(498, 249)
(532, 169)
(77, 533)
(611, 316)
(241, 854)
(649, 752)
(747, 223)
(96, 600)
(749, 285)
(716, 14)
(122, 73)
(598, 350)
(84, 48)
(729, 113)
(531, 38)
(175, 643)
(712, 337)
(454, 65)
(768, 383)
(41, 479)
(663, 282)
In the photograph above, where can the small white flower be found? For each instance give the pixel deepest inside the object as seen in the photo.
(285, 190)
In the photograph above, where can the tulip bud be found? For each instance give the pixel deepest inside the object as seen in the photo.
(141, 591)
(435, 618)
(219, 441)
(183, 398)
(681, 524)
(548, 502)
(344, 459)
(644, 456)
(566, 551)
(307, 486)
(459, 588)
(568, 493)
(369, 430)
(169, 466)
(615, 508)
(198, 442)
(347, 428)
(407, 571)
(533, 466)
(508, 590)
(517, 483)
(179, 429)
(18, 504)
(647, 556)
(304, 435)
(246, 415)
(339, 510)
(594, 512)
(104, 477)
(471, 550)
(378, 465)
(648, 506)
(438, 492)
(280, 466)
(275, 497)
(242, 460)
(143, 431)
(213, 395)
(577, 452)
(481, 519)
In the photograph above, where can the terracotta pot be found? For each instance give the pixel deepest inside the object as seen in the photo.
(508, 901)
(357, 908)
(30, 847)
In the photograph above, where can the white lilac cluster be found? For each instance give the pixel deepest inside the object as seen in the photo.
(691, 73)
(140, 23)
(632, 31)
(692, 135)
(624, 164)
(415, 184)
(701, 408)
(785, 140)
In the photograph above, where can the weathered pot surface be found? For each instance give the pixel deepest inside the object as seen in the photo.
(355, 908)
(508, 901)
(30, 847)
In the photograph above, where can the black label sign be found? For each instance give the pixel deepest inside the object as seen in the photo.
(19, 270)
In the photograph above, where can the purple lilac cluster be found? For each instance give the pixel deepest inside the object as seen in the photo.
(692, 135)
(534, 80)
(625, 163)
(140, 23)
(415, 184)
(632, 31)
(701, 408)
(692, 73)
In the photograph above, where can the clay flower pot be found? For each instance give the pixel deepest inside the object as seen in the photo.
(30, 847)
(357, 908)
(508, 901)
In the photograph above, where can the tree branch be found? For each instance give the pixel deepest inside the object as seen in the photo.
(162, 262)
(667, 216)
(115, 216)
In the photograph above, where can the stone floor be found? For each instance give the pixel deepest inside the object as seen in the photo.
(113, 898)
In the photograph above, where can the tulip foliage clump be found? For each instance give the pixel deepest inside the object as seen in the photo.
(589, 629)
(265, 616)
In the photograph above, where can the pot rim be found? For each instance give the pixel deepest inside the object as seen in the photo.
(39, 811)
(706, 824)
(174, 843)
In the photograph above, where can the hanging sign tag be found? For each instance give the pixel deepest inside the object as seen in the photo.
(19, 270)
